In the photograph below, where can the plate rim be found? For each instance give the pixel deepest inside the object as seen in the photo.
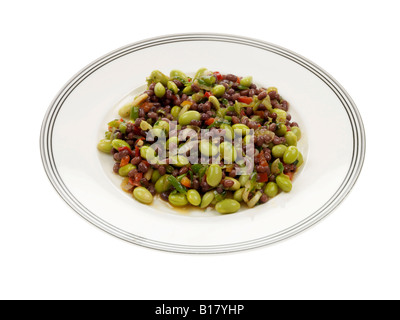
(357, 126)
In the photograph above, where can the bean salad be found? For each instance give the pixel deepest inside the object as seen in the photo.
(214, 140)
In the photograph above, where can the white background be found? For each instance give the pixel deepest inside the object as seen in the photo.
(48, 252)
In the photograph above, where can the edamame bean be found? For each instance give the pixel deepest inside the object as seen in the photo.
(164, 125)
(300, 160)
(214, 175)
(177, 199)
(178, 75)
(162, 184)
(242, 127)
(238, 195)
(228, 152)
(118, 143)
(188, 90)
(291, 138)
(281, 115)
(281, 131)
(246, 81)
(236, 184)
(208, 149)
(157, 76)
(155, 176)
(279, 150)
(173, 87)
(208, 197)
(227, 206)
(122, 127)
(143, 195)
(147, 153)
(123, 171)
(175, 111)
(297, 132)
(284, 182)
(159, 90)
(228, 131)
(193, 197)
(271, 189)
(218, 90)
(105, 146)
(247, 139)
(114, 124)
(179, 161)
(243, 179)
(184, 119)
(290, 155)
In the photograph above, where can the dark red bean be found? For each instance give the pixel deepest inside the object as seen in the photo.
(285, 105)
(177, 100)
(175, 173)
(235, 120)
(232, 174)
(138, 121)
(151, 189)
(196, 123)
(262, 169)
(276, 140)
(230, 91)
(130, 142)
(231, 77)
(195, 87)
(164, 196)
(117, 156)
(235, 96)
(295, 124)
(194, 106)
(178, 83)
(184, 97)
(220, 189)
(152, 86)
(253, 86)
(262, 95)
(162, 170)
(132, 173)
(204, 117)
(149, 92)
(144, 182)
(272, 127)
(136, 160)
(244, 93)
(264, 198)
(116, 167)
(261, 107)
(152, 115)
(195, 184)
(183, 170)
(143, 167)
(273, 115)
(228, 183)
(252, 92)
(249, 111)
(142, 114)
(273, 94)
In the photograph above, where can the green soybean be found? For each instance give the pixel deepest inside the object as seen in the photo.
(157, 76)
(300, 160)
(173, 140)
(208, 149)
(218, 90)
(178, 75)
(159, 90)
(118, 143)
(208, 197)
(281, 131)
(297, 132)
(123, 171)
(246, 81)
(242, 127)
(122, 127)
(214, 175)
(243, 179)
(179, 161)
(279, 150)
(228, 152)
(143, 195)
(173, 87)
(185, 118)
(271, 189)
(291, 138)
(147, 153)
(155, 176)
(284, 182)
(175, 111)
(228, 131)
(238, 195)
(281, 115)
(105, 146)
(227, 206)
(162, 184)
(188, 90)
(178, 199)
(290, 155)
(193, 197)
(164, 125)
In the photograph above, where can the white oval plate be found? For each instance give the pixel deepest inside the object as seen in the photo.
(333, 144)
